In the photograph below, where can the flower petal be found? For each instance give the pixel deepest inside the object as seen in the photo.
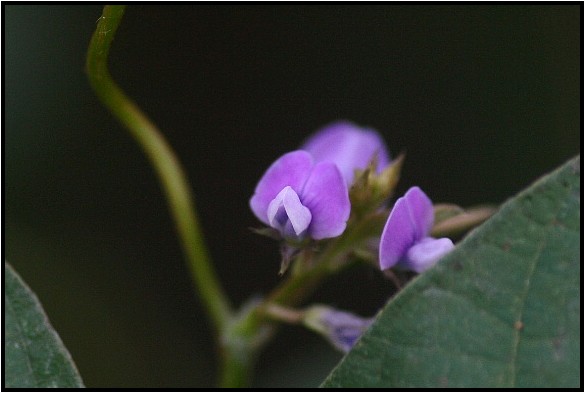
(291, 169)
(426, 253)
(398, 236)
(287, 214)
(421, 211)
(410, 221)
(342, 329)
(348, 146)
(326, 196)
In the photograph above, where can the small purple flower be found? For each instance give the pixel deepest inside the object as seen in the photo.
(405, 239)
(348, 146)
(342, 329)
(299, 198)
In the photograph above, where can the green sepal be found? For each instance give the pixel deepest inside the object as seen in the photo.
(370, 190)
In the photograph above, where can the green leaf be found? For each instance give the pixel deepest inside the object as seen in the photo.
(34, 354)
(501, 311)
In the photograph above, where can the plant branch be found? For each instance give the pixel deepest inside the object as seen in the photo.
(163, 159)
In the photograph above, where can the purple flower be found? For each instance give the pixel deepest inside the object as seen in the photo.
(405, 239)
(342, 329)
(299, 197)
(348, 146)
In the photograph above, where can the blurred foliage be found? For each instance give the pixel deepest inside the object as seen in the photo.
(483, 99)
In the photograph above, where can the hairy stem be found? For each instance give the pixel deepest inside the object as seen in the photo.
(297, 287)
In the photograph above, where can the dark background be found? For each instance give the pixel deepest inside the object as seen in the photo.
(484, 100)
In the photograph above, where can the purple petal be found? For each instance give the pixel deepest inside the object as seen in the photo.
(291, 169)
(398, 235)
(342, 329)
(421, 211)
(348, 146)
(410, 220)
(426, 253)
(326, 196)
(287, 214)
(345, 328)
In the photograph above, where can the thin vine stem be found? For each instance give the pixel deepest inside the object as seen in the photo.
(239, 338)
(167, 166)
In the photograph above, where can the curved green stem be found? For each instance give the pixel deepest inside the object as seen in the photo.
(240, 336)
(164, 161)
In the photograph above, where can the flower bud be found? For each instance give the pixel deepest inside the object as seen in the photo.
(342, 329)
(405, 240)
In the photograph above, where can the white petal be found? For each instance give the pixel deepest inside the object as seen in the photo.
(287, 207)
(426, 253)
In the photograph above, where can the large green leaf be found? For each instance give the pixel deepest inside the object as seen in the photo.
(501, 310)
(34, 354)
